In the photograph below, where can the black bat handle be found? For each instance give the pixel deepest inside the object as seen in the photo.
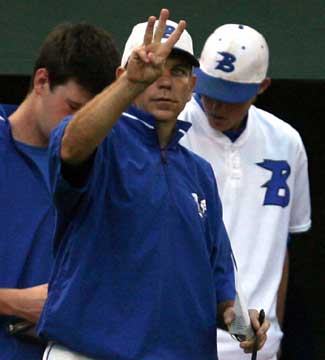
(261, 318)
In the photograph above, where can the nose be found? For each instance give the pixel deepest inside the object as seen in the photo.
(165, 80)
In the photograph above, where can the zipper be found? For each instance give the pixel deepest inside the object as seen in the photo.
(163, 156)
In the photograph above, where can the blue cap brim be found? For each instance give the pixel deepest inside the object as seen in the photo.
(224, 90)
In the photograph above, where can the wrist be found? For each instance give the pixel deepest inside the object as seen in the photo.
(135, 86)
(8, 301)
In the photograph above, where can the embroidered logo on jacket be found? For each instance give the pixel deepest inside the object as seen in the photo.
(201, 205)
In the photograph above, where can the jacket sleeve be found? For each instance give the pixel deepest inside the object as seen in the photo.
(221, 257)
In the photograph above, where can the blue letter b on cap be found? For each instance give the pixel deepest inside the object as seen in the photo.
(168, 31)
(227, 63)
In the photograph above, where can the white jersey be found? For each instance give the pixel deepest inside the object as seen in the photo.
(263, 185)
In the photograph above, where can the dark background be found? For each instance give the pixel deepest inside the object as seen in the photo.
(294, 29)
(295, 32)
(301, 103)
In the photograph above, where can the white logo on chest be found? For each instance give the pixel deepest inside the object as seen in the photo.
(201, 205)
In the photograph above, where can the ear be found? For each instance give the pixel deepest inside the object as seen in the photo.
(264, 85)
(119, 71)
(191, 85)
(41, 81)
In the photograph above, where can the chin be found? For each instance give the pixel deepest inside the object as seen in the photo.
(165, 116)
(217, 126)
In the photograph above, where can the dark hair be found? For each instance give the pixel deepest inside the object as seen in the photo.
(81, 52)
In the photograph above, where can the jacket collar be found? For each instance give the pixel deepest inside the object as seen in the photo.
(145, 123)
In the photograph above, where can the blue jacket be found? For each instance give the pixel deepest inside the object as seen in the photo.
(27, 223)
(143, 256)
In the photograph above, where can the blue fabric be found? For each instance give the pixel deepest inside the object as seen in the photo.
(7, 109)
(233, 135)
(27, 222)
(140, 265)
(223, 90)
(39, 156)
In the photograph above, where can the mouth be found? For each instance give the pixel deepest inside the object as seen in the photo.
(216, 117)
(164, 100)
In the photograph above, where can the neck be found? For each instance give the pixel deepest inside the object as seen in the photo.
(24, 124)
(165, 130)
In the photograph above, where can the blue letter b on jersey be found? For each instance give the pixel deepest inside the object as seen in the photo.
(226, 64)
(278, 192)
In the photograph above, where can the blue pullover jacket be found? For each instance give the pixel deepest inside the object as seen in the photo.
(143, 257)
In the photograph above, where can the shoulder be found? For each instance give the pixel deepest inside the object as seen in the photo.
(202, 167)
(4, 128)
(273, 126)
(192, 110)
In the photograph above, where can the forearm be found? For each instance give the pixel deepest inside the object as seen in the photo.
(9, 302)
(89, 126)
(23, 303)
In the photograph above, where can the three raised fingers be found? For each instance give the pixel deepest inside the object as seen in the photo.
(155, 35)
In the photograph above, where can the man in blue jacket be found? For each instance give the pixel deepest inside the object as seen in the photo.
(143, 259)
(75, 62)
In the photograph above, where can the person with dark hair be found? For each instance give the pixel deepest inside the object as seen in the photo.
(80, 52)
(75, 62)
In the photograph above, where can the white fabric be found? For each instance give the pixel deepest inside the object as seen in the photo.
(247, 47)
(59, 352)
(258, 233)
(184, 43)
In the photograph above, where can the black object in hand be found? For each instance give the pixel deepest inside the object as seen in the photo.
(261, 318)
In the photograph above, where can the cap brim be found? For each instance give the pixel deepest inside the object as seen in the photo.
(224, 90)
(191, 58)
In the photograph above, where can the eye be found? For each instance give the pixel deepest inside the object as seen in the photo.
(180, 71)
(73, 105)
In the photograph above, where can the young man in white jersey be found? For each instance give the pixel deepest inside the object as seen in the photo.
(261, 169)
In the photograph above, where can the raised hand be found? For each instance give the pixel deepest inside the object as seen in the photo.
(146, 63)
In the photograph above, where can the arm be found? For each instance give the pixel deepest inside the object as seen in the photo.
(90, 125)
(282, 291)
(23, 303)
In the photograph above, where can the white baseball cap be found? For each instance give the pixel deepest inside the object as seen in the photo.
(233, 63)
(183, 46)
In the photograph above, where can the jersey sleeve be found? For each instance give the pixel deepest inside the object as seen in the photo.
(300, 220)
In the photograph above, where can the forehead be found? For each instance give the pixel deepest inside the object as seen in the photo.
(74, 91)
(176, 58)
